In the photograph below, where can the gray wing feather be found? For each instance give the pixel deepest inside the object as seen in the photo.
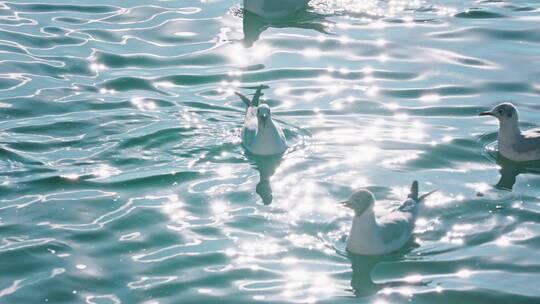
(530, 142)
(394, 230)
(400, 221)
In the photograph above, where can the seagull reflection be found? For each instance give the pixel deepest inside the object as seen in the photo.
(361, 281)
(254, 25)
(510, 170)
(266, 166)
(362, 265)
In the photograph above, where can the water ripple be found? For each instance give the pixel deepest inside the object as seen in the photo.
(121, 168)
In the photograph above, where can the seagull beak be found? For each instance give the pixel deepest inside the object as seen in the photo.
(346, 204)
(487, 113)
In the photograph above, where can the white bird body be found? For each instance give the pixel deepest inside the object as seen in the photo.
(260, 135)
(514, 144)
(372, 235)
(274, 9)
(366, 236)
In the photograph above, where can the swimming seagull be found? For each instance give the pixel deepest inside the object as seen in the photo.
(274, 9)
(386, 234)
(260, 135)
(513, 144)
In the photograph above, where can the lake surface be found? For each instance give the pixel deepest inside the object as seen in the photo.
(123, 181)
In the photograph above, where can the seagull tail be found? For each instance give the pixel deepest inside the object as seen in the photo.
(414, 194)
(246, 100)
(425, 195)
(258, 95)
(414, 191)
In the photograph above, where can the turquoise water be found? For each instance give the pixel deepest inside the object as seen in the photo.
(122, 178)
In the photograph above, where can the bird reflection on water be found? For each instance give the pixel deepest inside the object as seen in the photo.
(362, 266)
(511, 170)
(254, 25)
(266, 165)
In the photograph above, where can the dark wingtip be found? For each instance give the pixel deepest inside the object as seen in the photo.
(258, 94)
(246, 100)
(256, 97)
(414, 191)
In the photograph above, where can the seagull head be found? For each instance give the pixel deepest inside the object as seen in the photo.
(263, 114)
(360, 201)
(504, 112)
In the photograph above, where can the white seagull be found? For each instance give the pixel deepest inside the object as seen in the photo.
(274, 9)
(260, 135)
(386, 234)
(513, 144)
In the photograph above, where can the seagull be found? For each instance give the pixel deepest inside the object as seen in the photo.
(260, 135)
(274, 9)
(386, 234)
(513, 144)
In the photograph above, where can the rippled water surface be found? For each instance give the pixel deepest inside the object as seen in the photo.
(123, 181)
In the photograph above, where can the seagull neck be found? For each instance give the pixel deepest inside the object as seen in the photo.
(367, 217)
(364, 229)
(509, 129)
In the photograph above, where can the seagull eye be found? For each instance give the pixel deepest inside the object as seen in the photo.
(501, 111)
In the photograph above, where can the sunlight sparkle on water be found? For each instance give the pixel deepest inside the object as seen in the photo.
(372, 91)
(242, 56)
(502, 241)
(415, 278)
(174, 209)
(164, 84)
(143, 104)
(220, 207)
(392, 106)
(105, 171)
(478, 187)
(311, 53)
(464, 273)
(70, 176)
(97, 67)
(430, 98)
(132, 105)
(344, 71)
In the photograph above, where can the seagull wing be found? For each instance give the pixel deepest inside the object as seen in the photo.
(396, 227)
(281, 133)
(530, 141)
(246, 100)
(257, 96)
(409, 205)
(249, 131)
